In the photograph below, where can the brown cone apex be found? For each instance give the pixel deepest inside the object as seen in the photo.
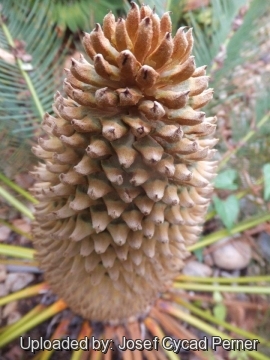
(125, 184)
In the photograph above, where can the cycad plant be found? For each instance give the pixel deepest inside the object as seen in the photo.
(122, 191)
(125, 185)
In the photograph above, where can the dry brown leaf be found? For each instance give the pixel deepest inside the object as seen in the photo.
(7, 56)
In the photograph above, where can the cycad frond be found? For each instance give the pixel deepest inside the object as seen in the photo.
(223, 14)
(29, 64)
(244, 43)
(82, 14)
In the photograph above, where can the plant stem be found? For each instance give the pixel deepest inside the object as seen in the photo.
(245, 139)
(16, 229)
(85, 331)
(16, 251)
(22, 294)
(13, 327)
(17, 188)
(223, 288)
(213, 319)
(23, 72)
(155, 330)
(223, 280)
(257, 306)
(13, 333)
(21, 263)
(220, 234)
(60, 331)
(178, 330)
(180, 314)
(16, 203)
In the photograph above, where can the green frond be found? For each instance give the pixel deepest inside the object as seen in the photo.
(30, 71)
(176, 7)
(244, 44)
(225, 46)
(83, 14)
(207, 47)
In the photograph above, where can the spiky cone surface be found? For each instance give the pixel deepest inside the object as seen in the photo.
(125, 184)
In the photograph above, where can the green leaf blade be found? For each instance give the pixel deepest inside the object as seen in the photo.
(228, 210)
(226, 180)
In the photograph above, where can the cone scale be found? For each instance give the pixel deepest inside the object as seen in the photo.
(125, 180)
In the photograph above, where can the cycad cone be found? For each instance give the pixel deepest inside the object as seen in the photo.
(125, 184)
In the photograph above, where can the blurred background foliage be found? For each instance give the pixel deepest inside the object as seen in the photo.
(38, 38)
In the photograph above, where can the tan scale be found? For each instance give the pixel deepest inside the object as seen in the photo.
(127, 168)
